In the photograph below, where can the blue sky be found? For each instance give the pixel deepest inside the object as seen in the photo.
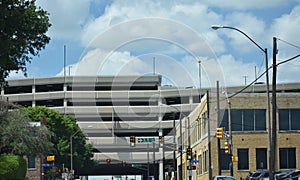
(127, 37)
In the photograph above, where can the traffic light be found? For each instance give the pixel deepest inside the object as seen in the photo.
(227, 147)
(132, 141)
(234, 158)
(161, 141)
(123, 163)
(108, 161)
(189, 153)
(220, 133)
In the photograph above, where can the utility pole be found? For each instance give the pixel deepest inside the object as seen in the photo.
(181, 149)
(208, 137)
(245, 80)
(189, 146)
(230, 137)
(174, 149)
(274, 108)
(218, 122)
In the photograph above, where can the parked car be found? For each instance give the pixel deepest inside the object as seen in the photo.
(248, 176)
(265, 175)
(288, 175)
(223, 178)
(255, 175)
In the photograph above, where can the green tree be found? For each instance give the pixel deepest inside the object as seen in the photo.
(18, 136)
(23, 28)
(62, 128)
(12, 167)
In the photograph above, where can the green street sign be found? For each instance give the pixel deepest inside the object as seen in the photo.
(145, 140)
(136, 165)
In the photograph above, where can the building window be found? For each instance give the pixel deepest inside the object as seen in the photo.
(287, 158)
(31, 162)
(199, 168)
(244, 119)
(224, 119)
(205, 161)
(243, 155)
(225, 160)
(261, 158)
(289, 119)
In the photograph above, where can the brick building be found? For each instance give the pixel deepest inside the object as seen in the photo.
(249, 125)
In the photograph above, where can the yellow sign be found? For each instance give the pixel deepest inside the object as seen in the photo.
(50, 158)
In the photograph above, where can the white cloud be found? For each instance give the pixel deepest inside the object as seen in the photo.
(249, 24)
(67, 17)
(244, 5)
(125, 38)
(235, 70)
(287, 28)
(120, 17)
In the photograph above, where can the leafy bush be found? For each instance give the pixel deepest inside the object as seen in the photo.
(12, 167)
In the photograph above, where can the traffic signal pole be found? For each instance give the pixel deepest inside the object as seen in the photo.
(189, 147)
(230, 137)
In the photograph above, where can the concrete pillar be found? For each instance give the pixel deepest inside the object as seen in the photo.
(161, 160)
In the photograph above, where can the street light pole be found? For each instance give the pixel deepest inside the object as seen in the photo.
(215, 27)
(230, 135)
(71, 151)
(181, 143)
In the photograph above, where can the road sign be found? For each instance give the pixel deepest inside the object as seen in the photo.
(195, 161)
(145, 140)
(47, 165)
(136, 165)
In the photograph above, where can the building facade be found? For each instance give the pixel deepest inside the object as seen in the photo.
(249, 127)
(112, 109)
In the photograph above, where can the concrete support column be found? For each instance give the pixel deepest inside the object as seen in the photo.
(65, 99)
(161, 160)
(160, 133)
(33, 92)
(65, 91)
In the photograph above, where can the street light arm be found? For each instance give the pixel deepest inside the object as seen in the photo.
(216, 27)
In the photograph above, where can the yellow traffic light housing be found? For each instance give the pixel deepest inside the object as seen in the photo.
(220, 133)
(227, 147)
(234, 158)
(108, 161)
(132, 141)
(161, 141)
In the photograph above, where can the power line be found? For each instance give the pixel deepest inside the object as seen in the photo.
(298, 47)
(248, 84)
(240, 91)
(288, 60)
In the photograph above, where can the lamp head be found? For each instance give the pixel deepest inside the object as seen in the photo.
(215, 27)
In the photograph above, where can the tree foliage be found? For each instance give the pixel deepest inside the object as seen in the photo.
(23, 28)
(12, 167)
(62, 128)
(18, 136)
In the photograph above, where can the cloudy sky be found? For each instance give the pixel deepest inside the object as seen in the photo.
(170, 38)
